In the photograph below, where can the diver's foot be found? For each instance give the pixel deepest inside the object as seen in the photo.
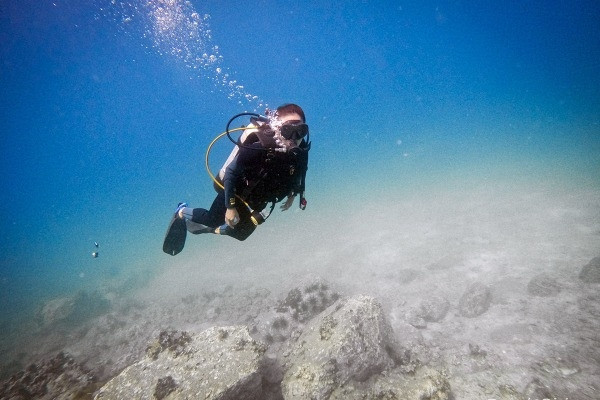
(179, 210)
(223, 230)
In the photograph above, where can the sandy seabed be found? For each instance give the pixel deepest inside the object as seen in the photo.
(526, 244)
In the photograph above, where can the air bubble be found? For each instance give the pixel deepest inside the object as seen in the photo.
(175, 28)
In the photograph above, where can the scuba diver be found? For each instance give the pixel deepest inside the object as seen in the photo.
(268, 164)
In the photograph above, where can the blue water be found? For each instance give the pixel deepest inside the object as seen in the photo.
(107, 109)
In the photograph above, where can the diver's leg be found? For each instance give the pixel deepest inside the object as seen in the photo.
(200, 220)
(186, 214)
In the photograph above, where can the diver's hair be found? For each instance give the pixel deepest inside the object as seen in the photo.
(291, 109)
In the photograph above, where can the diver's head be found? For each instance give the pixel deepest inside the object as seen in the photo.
(290, 112)
(289, 125)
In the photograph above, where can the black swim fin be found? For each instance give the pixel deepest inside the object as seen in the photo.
(175, 236)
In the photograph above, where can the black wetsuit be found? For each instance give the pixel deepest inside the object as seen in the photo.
(260, 176)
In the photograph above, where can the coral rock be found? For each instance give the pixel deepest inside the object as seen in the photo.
(543, 285)
(220, 363)
(350, 342)
(475, 301)
(57, 378)
(591, 271)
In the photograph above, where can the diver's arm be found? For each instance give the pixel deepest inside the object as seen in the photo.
(298, 186)
(232, 176)
(229, 182)
(234, 173)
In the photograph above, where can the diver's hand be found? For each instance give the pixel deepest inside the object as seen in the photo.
(232, 217)
(288, 203)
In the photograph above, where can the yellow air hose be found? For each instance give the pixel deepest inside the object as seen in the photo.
(256, 219)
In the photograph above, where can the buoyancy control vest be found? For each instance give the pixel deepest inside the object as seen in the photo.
(277, 175)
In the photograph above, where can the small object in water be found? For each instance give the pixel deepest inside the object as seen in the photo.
(95, 254)
(96, 244)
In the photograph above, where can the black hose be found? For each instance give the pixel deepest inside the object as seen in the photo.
(261, 118)
(238, 142)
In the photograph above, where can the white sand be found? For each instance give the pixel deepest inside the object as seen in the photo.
(404, 248)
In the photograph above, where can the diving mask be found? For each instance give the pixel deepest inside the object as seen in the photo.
(294, 130)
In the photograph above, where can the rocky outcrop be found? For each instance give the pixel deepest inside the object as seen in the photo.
(220, 363)
(290, 315)
(424, 383)
(475, 301)
(543, 285)
(57, 378)
(433, 309)
(350, 342)
(343, 353)
(71, 310)
(590, 272)
(348, 351)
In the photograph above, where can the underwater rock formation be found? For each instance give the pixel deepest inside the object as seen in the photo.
(343, 353)
(433, 309)
(352, 342)
(424, 383)
(290, 315)
(57, 378)
(591, 271)
(221, 363)
(349, 351)
(475, 301)
(72, 310)
(543, 285)
(304, 304)
(173, 341)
